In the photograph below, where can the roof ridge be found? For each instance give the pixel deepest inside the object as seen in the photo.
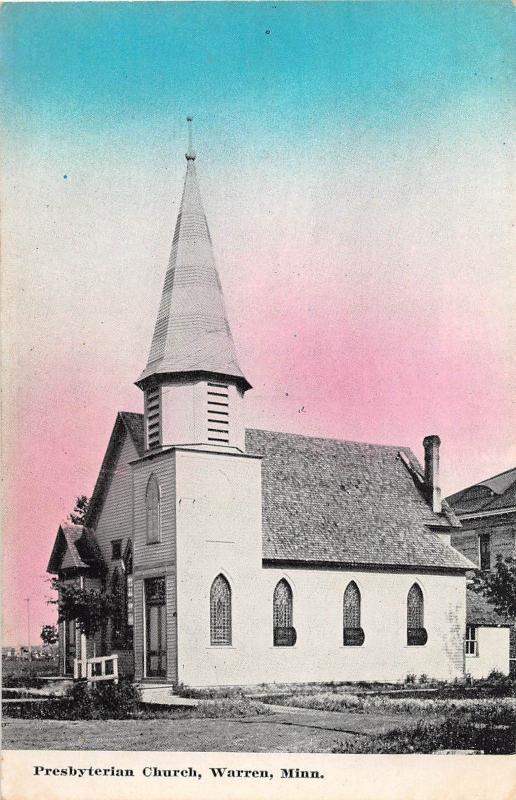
(333, 439)
(484, 481)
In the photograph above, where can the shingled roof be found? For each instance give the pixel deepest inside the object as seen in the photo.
(498, 492)
(75, 548)
(330, 502)
(192, 332)
(349, 503)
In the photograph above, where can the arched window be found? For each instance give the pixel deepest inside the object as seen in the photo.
(416, 633)
(152, 504)
(352, 632)
(220, 611)
(284, 632)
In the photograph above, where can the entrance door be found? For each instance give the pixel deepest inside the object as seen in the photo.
(70, 650)
(156, 623)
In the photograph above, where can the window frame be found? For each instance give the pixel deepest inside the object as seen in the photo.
(118, 544)
(352, 635)
(156, 538)
(471, 641)
(221, 616)
(484, 552)
(417, 635)
(283, 635)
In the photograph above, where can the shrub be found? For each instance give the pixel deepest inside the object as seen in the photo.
(411, 678)
(429, 737)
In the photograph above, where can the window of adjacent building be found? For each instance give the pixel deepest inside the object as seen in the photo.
(220, 611)
(282, 611)
(471, 641)
(353, 635)
(416, 633)
(116, 549)
(484, 543)
(153, 417)
(152, 504)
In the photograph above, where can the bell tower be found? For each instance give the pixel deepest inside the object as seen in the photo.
(193, 385)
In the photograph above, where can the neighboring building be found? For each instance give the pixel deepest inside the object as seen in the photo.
(8, 652)
(246, 556)
(487, 638)
(487, 511)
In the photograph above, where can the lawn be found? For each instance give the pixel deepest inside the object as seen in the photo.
(190, 735)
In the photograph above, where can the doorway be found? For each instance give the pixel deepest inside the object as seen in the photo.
(156, 628)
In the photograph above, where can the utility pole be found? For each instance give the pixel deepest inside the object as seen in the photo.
(27, 600)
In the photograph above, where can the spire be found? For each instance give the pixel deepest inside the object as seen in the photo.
(192, 332)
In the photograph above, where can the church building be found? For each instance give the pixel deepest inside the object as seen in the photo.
(241, 556)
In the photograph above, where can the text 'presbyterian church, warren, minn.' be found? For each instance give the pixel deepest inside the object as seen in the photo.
(248, 556)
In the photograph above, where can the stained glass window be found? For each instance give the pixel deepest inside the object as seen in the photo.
(284, 633)
(220, 611)
(416, 633)
(152, 503)
(353, 634)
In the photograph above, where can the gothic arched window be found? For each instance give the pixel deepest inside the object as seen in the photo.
(352, 632)
(152, 504)
(282, 612)
(416, 633)
(220, 611)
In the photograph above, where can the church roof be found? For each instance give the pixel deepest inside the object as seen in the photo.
(349, 503)
(498, 492)
(192, 332)
(329, 502)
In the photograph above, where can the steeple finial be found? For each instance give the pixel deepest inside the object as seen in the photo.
(190, 155)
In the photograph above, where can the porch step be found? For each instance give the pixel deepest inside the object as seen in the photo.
(162, 694)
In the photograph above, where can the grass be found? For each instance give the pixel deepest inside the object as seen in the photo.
(326, 701)
(29, 674)
(190, 735)
(492, 734)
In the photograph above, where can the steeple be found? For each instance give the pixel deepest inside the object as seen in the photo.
(192, 345)
(192, 333)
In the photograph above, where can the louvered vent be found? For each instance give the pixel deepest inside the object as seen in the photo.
(153, 418)
(218, 413)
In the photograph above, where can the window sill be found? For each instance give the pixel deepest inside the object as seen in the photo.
(471, 655)
(221, 647)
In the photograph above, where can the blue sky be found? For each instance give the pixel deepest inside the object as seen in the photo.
(253, 71)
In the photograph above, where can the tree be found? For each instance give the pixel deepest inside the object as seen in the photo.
(499, 586)
(90, 608)
(49, 634)
(80, 509)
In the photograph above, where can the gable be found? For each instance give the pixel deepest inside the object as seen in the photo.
(75, 548)
(335, 502)
(128, 426)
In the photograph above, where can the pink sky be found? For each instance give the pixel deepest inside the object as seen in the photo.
(369, 298)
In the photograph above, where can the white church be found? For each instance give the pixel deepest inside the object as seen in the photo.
(248, 556)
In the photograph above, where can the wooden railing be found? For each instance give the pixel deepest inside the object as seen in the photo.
(101, 668)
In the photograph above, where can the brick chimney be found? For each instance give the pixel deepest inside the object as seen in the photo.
(431, 445)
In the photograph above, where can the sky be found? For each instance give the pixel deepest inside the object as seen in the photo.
(355, 164)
